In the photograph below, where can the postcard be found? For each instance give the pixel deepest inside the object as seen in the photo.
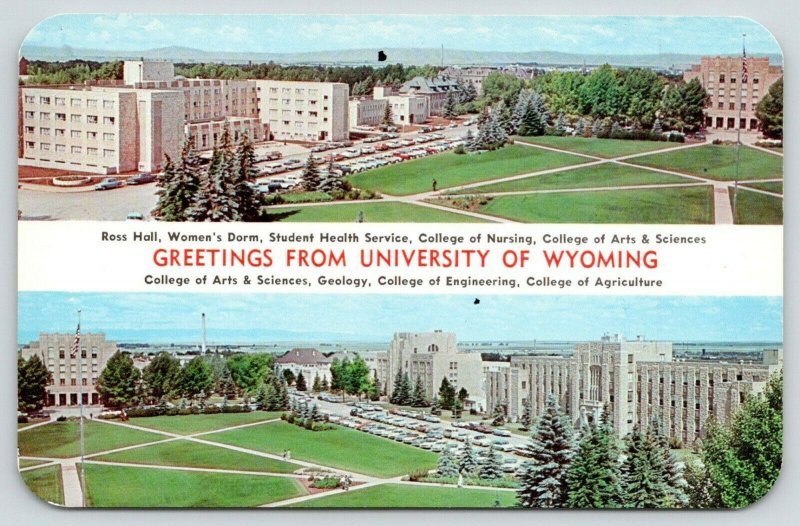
(400, 261)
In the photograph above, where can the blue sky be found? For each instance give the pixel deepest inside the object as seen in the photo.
(376, 317)
(267, 33)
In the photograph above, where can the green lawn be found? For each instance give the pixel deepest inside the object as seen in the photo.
(717, 162)
(192, 454)
(61, 439)
(132, 487)
(603, 175)
(607, 148)
(413, 496)
(339, 448)
(387, 212)
(450, 169)
(664, 205)
(190, 424)
(774, 187)
(753, 208)
(45, 483)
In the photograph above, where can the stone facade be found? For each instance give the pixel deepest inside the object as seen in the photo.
(55, 349)
(722, 79)
(636, 380)
(431, 356)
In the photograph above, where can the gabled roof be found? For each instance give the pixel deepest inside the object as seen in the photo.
(305, 356)
(424, 85)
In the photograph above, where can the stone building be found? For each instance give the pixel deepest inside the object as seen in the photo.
(310, 362)
(435, 90)
(55, 352)
(728, 92)
(636, 380)
(430, 357)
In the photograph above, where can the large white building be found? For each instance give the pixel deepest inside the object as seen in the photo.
(304, 111)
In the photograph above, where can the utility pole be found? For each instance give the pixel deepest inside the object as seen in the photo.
(742, 81)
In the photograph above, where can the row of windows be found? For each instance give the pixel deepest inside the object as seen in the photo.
(297, 91)
(62, 148)
(62, 117)
(731, 78)
(75, 134)
(75, 103)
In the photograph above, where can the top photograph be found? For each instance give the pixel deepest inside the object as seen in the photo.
(393, 119)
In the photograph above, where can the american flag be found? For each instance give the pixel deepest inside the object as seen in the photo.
(744, 66)
(77, 342)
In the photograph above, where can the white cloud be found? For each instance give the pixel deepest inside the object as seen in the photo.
(113, 22)
(154, 26)
(233, 33)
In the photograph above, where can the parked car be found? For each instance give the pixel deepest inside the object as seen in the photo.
(135, 216)
(141, 178)
(283, 184)
(502, 432)
(108, 183)
(273, 156)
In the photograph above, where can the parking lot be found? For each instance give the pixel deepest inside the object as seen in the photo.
(422, 431)
(48, 203)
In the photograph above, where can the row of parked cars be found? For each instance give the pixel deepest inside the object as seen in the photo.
(109, 183)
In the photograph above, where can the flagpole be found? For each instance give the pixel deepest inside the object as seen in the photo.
(739, 129)
(80, 399)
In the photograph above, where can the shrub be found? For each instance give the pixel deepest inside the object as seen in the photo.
(675, 443)
(326, 483)
(273, 199)
(22, 419)
(236, 409)
(61, 418)
(472, 481)
(418, 475)
(460, 150)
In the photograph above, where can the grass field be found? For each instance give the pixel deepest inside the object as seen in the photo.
(305, 197)
(774, 187)
(717, 162)
(133, 487)
(607, 148)
(753, 208)
(45, 483)
(387, 212)
(339, 447)
(408, 496)
(61, 439)
(449, 169)
(189, 424)
(664, 205)
(603, 175)
(25, 463)
(192, 454)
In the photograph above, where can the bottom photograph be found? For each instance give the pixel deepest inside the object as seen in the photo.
(146, 400)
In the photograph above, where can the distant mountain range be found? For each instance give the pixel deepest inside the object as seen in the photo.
(406, 56)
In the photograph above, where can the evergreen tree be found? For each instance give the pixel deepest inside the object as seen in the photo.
(300, 383)
(310, 176)
(657, 126)
(225, 385)
(178, 185)
(447, 466)
(404, 396)
(449, 109)
(543, 481)
(615, 129)
(490, 468)
(580, 128)
(418, 398)
(398, 380)
(593, 477)
(455, 411)
(161, 377)
(32, 381)
(470, 93)
(526, 418)
(468, 461)
(436, 409)
(118, 382)
(642, 473)
(316, 386)
(323, 386)
(216, 199)
(673, 470)
(597, 126)
(283, 396)
(388, 116)
(560, 124)
(314, 414)
(463, 395)
(244, 174)
(499, 415)
(265, 398)
(446, 394)
(288, 375)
